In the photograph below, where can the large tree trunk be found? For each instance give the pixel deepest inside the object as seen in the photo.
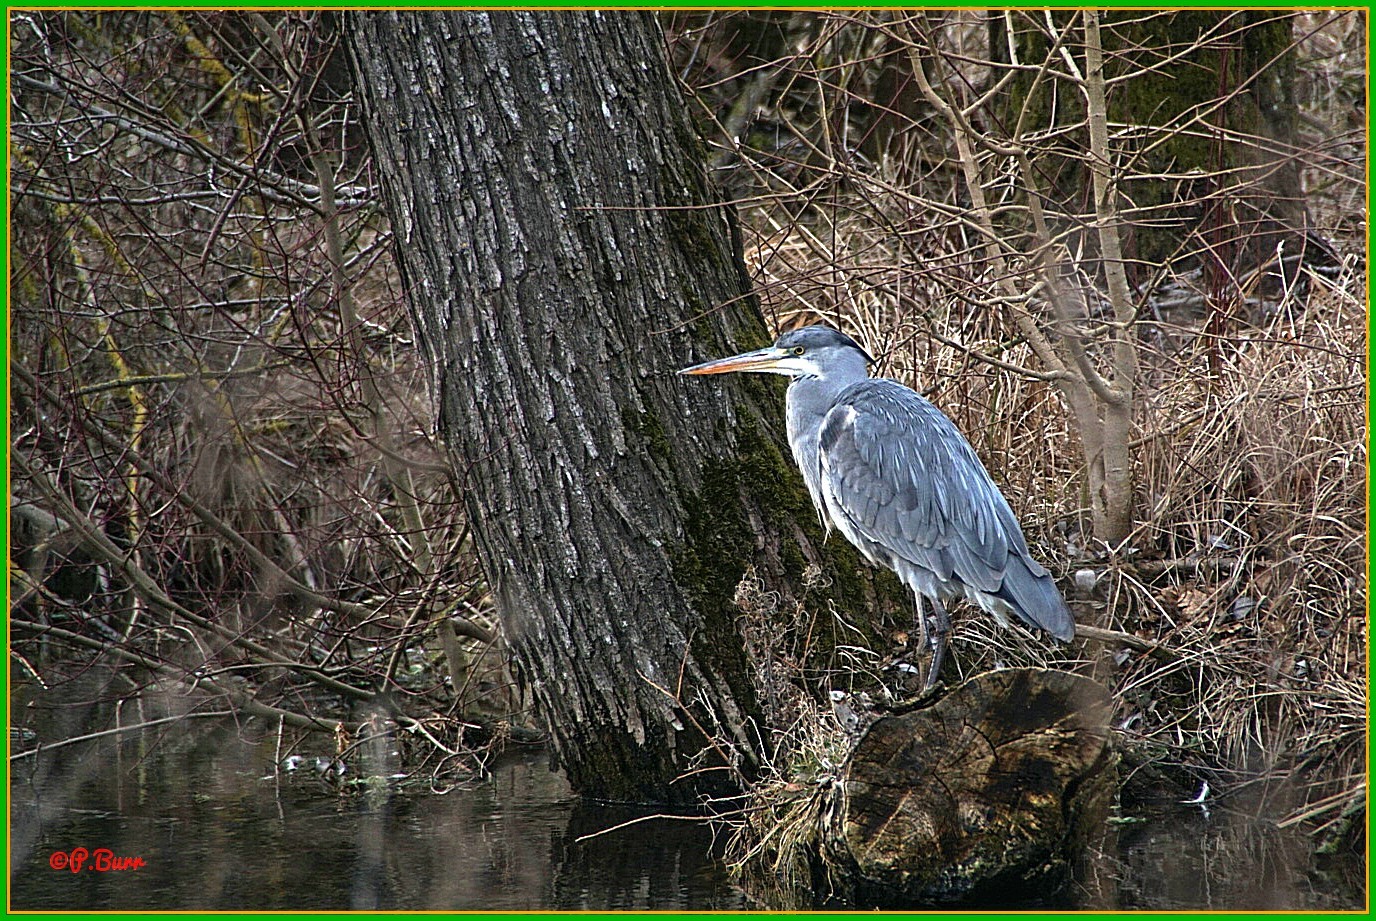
(562, 253)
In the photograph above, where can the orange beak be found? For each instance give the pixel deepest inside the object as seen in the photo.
(766, 359)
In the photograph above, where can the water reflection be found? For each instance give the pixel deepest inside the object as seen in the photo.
(218, 828)
(1225, 858)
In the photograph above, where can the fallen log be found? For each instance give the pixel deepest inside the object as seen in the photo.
(983, 796)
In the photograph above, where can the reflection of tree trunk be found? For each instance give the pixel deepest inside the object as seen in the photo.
(657, 863)
(562, 254)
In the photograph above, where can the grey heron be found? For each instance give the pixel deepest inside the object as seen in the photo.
(896, 477)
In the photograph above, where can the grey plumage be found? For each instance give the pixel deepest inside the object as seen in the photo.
(896, 477)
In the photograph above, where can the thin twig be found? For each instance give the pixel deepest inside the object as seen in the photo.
(119, 730)
(645, 818)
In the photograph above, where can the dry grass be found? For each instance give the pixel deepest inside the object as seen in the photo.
(1255, 484)
(777, 835)
(1248, 560)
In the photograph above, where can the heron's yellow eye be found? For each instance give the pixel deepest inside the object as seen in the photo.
(798, 350)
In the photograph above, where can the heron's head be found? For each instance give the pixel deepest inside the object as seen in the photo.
(814, 351)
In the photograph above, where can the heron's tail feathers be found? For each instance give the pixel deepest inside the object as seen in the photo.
(1035, 599)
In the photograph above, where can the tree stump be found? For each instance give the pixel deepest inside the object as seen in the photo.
(983, 796)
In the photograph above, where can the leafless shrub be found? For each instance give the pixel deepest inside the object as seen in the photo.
(890, 187)
(220, 426)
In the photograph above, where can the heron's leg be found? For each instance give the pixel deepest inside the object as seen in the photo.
(920, 621)
(941, 628)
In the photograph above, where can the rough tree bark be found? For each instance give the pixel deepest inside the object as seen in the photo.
(562, 252)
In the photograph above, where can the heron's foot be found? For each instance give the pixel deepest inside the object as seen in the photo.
(934, 687)
(923, 698)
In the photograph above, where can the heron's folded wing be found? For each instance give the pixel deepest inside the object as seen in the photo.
(910, 482)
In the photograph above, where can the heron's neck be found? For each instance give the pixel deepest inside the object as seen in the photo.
(809, 399)
(822, 391)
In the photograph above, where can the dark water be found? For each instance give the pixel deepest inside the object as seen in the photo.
(215, 827)
(1176, 856)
